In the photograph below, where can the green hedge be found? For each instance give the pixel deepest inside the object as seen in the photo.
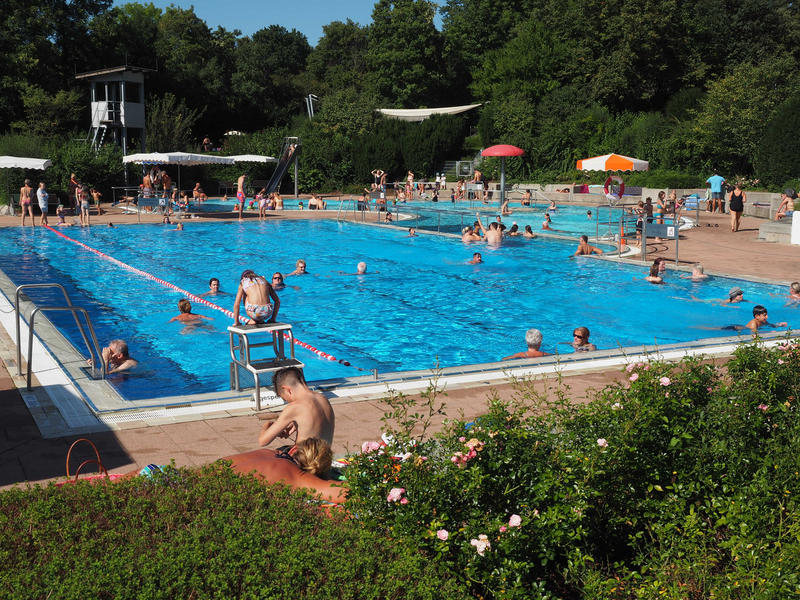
(207, 534)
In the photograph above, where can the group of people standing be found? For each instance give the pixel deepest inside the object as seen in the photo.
(79, 195)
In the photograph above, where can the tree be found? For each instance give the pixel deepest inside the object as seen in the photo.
(734, 116)
(405, 53)
(267, 66)
(472, 28)
(47, 116)
(339, 60)
(169, 124)
(529, 64)
(777, 158)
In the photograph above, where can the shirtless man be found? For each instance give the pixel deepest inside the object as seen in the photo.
(697, 273)
(308, 414)
(760, 320)
(213, 289)
(186, 315)
(240, 193)
(476, 259)
(786, 209)
(361, 269)
(585, 248)
(116, 357)
(533, 338)
(26, 201)
(494, 236)
(526, 198)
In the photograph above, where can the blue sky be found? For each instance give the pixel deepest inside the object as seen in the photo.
(307, 16)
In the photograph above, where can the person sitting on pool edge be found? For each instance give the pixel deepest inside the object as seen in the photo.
(533, 338)
(580, 340)
(586, 249)
(116, 357)
(309, 414)
(186, 315)
(256, 293)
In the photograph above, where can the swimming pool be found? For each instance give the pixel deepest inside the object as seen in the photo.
(425, 303)
(448, 217)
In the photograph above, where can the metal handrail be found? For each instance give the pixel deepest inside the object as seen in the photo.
(73, 310)
(69, 306)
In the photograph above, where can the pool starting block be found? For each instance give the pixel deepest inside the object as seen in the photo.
(241, 347)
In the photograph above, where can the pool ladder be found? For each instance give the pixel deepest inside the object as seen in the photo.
(68, 308)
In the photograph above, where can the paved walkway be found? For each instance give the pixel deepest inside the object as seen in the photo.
(26, 456)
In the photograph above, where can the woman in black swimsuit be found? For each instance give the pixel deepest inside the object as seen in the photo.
(736, 204)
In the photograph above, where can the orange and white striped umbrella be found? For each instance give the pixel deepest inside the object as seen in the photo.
(613, 162)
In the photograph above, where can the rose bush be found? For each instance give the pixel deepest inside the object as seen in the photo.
(678, 482)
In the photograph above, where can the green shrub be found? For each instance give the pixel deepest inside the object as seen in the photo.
(679, 483)
(207, 534)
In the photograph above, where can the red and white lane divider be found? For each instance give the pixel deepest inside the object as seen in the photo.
(196, 299)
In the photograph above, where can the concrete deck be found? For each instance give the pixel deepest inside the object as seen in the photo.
(25, 455)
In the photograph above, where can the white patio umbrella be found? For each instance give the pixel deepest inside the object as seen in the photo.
(253, 158)
(176, 158)
(14, 162)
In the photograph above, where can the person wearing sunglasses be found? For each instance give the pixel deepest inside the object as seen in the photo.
(580, 340)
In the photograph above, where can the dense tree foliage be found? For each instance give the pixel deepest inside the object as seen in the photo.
(687, 85)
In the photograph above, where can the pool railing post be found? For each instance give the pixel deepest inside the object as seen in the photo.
(644, 237)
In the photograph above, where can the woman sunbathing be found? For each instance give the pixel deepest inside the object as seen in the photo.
(304, 466)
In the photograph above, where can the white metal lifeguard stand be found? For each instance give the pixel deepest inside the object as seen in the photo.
(117, 101)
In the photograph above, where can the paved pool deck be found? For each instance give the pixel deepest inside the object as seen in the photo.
(26, 455)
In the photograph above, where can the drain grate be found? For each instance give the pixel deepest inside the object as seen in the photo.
(166, 413)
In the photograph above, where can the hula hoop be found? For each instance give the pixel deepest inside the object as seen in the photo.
(193, 298)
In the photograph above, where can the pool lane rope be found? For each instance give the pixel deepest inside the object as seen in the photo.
(196, 299)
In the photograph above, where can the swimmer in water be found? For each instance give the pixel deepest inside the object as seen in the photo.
(469, 235)
(186, 315)
(653, 277)
(300, 268)
(697, 273)
(476, 259)
(580, 340)
(585, 248)
(589, 215)
(533, 339)
(412, 232)
(528, 233)
(514, 230)
(213, 289)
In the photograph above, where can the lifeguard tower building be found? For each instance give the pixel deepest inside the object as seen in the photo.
(117, 107)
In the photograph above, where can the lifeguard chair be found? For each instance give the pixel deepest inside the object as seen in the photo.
(117, 106)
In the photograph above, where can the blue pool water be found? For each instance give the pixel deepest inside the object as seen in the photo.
(447, 217)
(424, 303)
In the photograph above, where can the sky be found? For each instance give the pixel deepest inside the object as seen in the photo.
(306, 16)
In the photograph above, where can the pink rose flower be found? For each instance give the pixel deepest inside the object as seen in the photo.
(664, 381)
(403, 500)
(762, 407)
(503, 529)
(394, 494)
(630, 367)
(481, 544)
(515, 521)
(780, 362)
(633, 377)
(443, 534)
(368, 447)
(462, 439)
(602, 442)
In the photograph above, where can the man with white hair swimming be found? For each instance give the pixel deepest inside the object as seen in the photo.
(533, 338)
(697, 273)
(362, 270)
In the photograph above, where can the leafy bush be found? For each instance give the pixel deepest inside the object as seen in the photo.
(777, 154)
(679, 483)
(207, 534)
